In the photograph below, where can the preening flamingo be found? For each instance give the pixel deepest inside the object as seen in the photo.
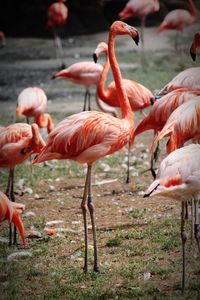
(85, 73)
(178, 19)
(182, 125)
(32, 102)
(87, 136)
(2, 39)
(17, 142)
(139, 96)
(179, 178)
(10, 211)
(139, 9)
(195, 45)
(57, 16)
(188, 78)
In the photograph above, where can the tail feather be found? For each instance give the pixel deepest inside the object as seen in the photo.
(167, 129)
(16, 219)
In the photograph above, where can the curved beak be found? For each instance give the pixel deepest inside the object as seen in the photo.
(193, 55)
(95, 57)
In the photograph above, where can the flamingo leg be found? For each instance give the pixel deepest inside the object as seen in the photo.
(85, 100)
(128, 164)
(11, 196)
(91, 208)
(84, 208)
(58, 47)
(89, 102)
(197, 225)
(192, 219)
(184, 239)
(143, 21)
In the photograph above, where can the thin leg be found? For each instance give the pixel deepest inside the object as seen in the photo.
(91, 208)
(89, 102)
(27, 120)
(11, 196)
(192, 221)
(58, 47)
(128, 164)
(186, 210)
(85, 100)
(84, 212)
(196, 225)
(184, 239)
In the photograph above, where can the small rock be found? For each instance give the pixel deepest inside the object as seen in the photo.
(28, 191)
(3, 240)
(27, 214)
(34, 234)
(147, 276)
(18, 255)
(54, 222)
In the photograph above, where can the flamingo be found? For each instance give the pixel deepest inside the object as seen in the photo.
(178, 19)
(182, 125)
(138, 95)
(2, 39)
(139, 9)
(17, 142)
(57, 16)
(188, 78)
(32, 102)
(160, 112)
(179, 178)
(87, 136)
(85, 73)
(10, 211)
(195, 45)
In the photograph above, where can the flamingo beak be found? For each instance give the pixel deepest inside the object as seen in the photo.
(193, 55)
(136, 39)
(95, 57)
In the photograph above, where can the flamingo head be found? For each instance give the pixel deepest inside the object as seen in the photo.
(121, 28)
(195, 45)
(101, 48)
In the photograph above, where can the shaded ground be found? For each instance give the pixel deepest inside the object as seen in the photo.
(138, 239)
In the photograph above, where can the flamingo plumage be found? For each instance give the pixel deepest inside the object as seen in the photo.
(17, 142)
(87, 136)
(10, 211)
(195, 45)
(179, 178)
(32, 102)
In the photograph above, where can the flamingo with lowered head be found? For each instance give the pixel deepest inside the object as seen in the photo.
(87, 136)
(17, 142)
(178, 19)
(139, 9)
(57, 16)
(32, 102)
(10, 211)
(195, 45)
(179, 178)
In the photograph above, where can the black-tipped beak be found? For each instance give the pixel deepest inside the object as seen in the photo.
(53, 77)
(95, 57)
(193, 55)
(146, 195)
(136, 39)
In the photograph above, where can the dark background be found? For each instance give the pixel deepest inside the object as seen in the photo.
(28, 18)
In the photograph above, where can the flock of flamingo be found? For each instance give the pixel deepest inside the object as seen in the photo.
(90, 135)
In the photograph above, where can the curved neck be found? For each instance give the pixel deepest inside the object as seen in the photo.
(101, 87)
(122, 96)
(45, 120)
(105, 107)
(192, 8)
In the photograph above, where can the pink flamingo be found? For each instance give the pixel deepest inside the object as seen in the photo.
(10, 211)
(139, 9)
(87, 136)
(57, 16)
(139, 96)
(195, 45)
(32, 102)
(17, 142)
(85, 73)
(179, 179)
(179, 19)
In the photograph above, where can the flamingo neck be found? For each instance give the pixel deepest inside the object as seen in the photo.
(105, 107)
(121, 93)
(103, 94)
(193, 9)
(45, 120)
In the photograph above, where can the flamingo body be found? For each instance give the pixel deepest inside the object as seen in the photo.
(17, 142)
(10, 211)
(57, 14)
(32, 102)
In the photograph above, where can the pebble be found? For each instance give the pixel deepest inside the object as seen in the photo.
(18, 255)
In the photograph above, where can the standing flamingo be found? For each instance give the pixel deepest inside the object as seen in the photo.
(85, 73)
(87, 136)
(139, 9)
(195, 45)
(138, 95)
(179, 178)
(179, 19)
(10, 211)
(17, 142)
(57, 16)
(32, 102)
